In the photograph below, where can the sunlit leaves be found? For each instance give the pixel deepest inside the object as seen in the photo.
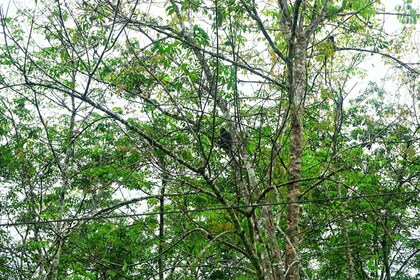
(408, 14)
(365, 9)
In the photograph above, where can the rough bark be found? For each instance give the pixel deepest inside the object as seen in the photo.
(297, 34)
(297, 93)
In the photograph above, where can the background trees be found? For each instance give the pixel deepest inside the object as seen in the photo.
(111, 158)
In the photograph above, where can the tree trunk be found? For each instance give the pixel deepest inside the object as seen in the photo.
(161, 229)
(386, 251)
(162, 219)
(293, 194)
(296, 93)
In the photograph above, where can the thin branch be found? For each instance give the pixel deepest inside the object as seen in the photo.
(403, 64)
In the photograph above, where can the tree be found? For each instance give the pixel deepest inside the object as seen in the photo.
(142, 94)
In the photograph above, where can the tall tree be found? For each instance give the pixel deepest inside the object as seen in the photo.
(143, 91)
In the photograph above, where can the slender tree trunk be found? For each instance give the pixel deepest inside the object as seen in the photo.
(293, 194)
(162, 220)
(52, 269)
(297, 92)
(297, 34)
(161, 229)
(349, 256)
(338, 121)
(274, 249)
(385, 252)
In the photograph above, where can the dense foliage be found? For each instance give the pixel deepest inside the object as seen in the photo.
(111, 160)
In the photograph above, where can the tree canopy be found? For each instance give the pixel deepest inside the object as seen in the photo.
(209, 140)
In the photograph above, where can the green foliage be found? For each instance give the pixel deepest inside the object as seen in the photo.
(407, 13)
(110, 152)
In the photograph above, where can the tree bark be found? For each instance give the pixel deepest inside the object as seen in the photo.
(296, 93)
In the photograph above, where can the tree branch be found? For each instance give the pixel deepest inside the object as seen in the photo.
(403, 64)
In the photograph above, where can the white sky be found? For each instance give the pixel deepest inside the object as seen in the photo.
(376, 68)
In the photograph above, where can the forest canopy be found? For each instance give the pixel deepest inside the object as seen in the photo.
(201, 139)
